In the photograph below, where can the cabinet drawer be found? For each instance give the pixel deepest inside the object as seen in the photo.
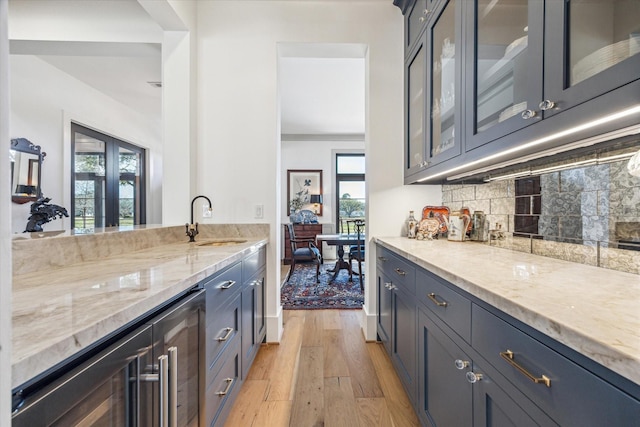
(252, 263)
(223, 328)
(223, 286)
(574, 397)
(223, 388)
(447, 304)
(401, 273)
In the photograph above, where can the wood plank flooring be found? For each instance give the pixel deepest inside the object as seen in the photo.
(322, 373)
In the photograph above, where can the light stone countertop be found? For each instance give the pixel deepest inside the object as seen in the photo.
(592, 310)
(60, 311)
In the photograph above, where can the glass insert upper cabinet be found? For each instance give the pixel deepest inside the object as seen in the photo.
(415, 79)
(504, 69)
(444, 75)
(417, 15)
(591, 47)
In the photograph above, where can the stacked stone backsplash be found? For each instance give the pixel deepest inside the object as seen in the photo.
(588, 215)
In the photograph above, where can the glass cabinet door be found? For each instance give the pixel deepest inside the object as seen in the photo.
(504, 75)
(601, 49)
(415, 110)
(444, 83)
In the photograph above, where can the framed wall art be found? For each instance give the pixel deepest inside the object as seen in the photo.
(301, 185)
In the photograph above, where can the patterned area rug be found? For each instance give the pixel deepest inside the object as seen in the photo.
(303, 293)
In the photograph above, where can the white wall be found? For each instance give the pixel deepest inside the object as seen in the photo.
(314, 155)
(239, 161)
(44, 101)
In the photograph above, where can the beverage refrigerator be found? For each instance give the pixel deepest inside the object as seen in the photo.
(149, 377)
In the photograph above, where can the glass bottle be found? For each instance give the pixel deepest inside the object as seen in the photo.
(411, 226)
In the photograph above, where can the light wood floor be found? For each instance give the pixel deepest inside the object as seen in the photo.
(322, 373)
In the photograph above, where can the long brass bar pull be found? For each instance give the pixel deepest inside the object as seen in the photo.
(509, 357)
(228, 331)
(226, 390)
(433, 298)
(228, 284)
(173, 386)
(163, 401)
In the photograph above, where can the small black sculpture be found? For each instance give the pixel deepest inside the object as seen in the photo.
(43, 212)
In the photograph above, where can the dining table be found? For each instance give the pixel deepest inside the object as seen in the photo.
(340, 241)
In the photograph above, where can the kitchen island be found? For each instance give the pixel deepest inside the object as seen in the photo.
(61, 310)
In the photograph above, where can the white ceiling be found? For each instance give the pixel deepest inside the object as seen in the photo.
(321, 93)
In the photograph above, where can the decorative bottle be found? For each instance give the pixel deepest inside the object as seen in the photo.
(411, 226)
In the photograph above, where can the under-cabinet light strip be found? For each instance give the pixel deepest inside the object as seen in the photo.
(582, 163)
(584, 126)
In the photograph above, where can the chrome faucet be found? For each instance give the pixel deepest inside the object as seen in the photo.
(192, 228)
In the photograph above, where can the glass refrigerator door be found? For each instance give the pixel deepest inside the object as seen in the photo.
(105, 391)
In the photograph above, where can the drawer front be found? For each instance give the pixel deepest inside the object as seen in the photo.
(223, 286)
(223, 388)
(447, 304)
(574, 397)
(222, 330)
(401, 272)
(252, 263)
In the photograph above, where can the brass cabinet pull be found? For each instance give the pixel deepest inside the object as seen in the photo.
(383, 259)
(432, 297)
(509, 357)
(226, 390)
(228, 284)
(226, 337)
(400, 272)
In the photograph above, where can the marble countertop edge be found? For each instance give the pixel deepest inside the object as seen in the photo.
(32, 357)
(600, 347)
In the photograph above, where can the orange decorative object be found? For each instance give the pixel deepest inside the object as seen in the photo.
(441, 213)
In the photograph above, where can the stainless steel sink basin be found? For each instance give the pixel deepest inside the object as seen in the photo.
(221, 242)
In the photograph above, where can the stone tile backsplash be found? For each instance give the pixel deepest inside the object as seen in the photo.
(586, 212)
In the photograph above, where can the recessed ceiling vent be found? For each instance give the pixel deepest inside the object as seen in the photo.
(156, 84)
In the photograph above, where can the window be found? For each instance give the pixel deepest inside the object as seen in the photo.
(107, 183)
(350, 189)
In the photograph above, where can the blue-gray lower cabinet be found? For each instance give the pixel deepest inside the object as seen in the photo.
(444, 394)
(384, 309)
(235, 328)
(465, 363)
(397, 315)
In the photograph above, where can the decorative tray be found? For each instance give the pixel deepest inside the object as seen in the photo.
(441, 213)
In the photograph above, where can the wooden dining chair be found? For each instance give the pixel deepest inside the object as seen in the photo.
(303, 250)
(356, 252)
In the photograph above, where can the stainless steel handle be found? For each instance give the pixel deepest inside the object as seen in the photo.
(173, 386)
(546, 105)
(421, 19)
(149, 378)
(509, 357)
(461, 364)
(229, 283)
(387, 285)
(527, 114)
(227, 335)
(433, 298)
(425, 12)
(472, 377)
(226, 390)
(400, 272)
(163, 400)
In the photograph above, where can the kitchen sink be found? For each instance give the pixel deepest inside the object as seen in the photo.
(221, 242)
